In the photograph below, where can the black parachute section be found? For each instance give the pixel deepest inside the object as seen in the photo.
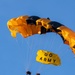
(32, 20)
(55, 25)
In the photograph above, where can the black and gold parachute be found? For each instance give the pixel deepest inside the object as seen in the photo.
(30, 25)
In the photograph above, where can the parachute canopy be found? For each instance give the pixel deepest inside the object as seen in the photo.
(30, 25)
(47, 57)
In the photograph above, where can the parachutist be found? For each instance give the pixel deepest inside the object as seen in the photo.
(37, 73)
(28, 73)
(48, 18)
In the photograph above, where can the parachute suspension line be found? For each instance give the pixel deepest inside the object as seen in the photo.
(66, 51)
(29, 56)
(54, 38)
(60, 46)
(24, 42)
(43, 69)
(74, 55)
(52, 41)
(20, 45)
(17, 42)
(40, 68)
(47, 40)
(30, 52)
(27, 51)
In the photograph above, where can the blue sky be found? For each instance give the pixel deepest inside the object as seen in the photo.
(18, 55)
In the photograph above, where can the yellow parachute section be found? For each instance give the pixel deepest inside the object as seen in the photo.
(44, 22)
(19, 25)
(69, 36)
(47, 57)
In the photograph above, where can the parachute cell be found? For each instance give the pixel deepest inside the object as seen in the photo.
(32, 20)
(43, 23)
